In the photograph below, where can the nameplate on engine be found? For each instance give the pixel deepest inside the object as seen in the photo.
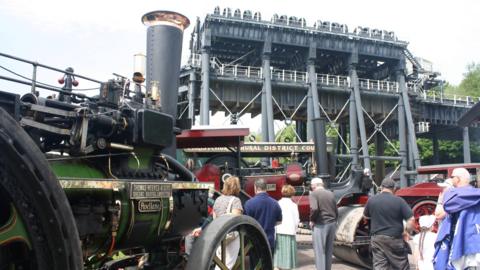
(271, 187)
(149, 206)
(150, 190)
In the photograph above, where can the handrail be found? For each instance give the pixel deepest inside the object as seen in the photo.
(340, 81)
(47, 67)
(36, 84)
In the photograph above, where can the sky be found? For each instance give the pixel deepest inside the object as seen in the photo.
(99, 37)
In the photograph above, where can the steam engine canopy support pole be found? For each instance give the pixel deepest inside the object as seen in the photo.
(269, 135)
(358, 106)
(163, 58)
(466, 146)
(402, 138)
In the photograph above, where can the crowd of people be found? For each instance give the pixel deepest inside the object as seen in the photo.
(457, 217)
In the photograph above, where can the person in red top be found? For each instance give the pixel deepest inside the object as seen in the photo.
(275, 163)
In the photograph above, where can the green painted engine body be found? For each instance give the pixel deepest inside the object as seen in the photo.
(135, 212)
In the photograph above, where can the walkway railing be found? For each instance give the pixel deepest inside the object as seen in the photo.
(452, 99)
(343, 82)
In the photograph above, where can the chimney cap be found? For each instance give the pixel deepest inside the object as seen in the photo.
(164, 17)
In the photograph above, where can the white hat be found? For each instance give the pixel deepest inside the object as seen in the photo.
(446, 184)
(461, 173)
(316, 181)
(427, 221)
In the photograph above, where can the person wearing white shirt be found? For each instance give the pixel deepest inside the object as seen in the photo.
(286, 245)
(424, 243)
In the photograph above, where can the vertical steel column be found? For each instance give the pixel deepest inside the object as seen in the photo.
(466, 146)
(312, 78)
(205, 90)
(361, 121)
(191, 96)
(313, 111)
(264, 115)
(267, 85)
(402, 138)
(412, 138)
(300, 127)
(320, 140)
(379, 164)
(353, 131)
(436, 151)
(309, 115)
(410, 157)
(344, 133)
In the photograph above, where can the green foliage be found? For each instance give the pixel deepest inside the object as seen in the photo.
(425, 147)
(470, 85)
(287, 134)
(446, 88)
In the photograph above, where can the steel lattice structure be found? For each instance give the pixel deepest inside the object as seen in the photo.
(364, 84)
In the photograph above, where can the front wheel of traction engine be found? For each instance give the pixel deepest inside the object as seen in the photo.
(37, 227)
(251, 245)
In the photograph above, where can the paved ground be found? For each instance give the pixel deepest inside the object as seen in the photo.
(306, 258)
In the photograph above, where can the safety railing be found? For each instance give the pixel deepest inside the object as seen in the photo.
(378, 85)
(195, 60)
(293, 76)
(239, 71)
(289, 75)
(452, 99)
(333, 80)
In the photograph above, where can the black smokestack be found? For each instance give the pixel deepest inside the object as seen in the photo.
(164, 52)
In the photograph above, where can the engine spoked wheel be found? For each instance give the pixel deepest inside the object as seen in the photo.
(253, 248)
(37, 227)
(422, 208)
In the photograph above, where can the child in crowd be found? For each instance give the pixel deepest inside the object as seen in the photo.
(424, 243)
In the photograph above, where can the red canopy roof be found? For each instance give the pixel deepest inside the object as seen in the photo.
(212, 137)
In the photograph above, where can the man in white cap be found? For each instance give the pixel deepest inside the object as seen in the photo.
(323, 219)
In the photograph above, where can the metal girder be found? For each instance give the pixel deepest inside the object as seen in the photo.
(289, 118)
(412, 140)
(360, 119)
(205, 89)
(378, 127)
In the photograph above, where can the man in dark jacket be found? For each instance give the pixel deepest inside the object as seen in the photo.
(323, 219)
(387, 213)
(265, 210)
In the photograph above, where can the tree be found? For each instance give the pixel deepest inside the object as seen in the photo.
(287, 134)
(470, 85)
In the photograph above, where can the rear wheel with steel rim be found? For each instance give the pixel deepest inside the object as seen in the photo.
(254, 251)
(37, 228)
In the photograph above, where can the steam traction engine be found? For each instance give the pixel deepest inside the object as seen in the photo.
(82, 178)
(225, 153)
